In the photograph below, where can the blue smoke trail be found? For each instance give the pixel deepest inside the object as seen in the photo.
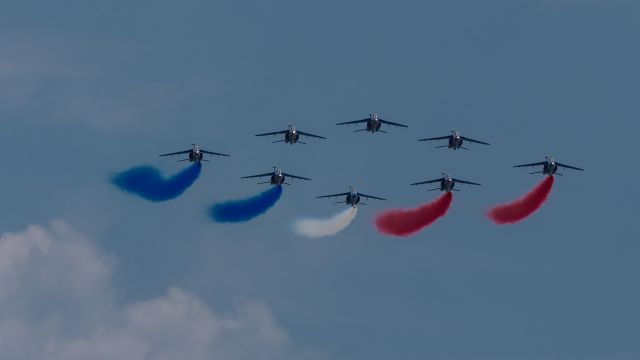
(148, 183)
(245, 209)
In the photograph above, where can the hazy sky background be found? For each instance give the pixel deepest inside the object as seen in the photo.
(90, 88)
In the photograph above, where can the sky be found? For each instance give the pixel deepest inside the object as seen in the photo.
(89, 89)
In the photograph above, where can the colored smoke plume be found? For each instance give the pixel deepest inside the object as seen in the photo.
(407, 222)
(525, 206)
(325, 227)
(148, 183)
(245, 209)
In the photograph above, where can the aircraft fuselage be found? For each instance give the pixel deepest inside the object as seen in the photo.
(291, 137)
(373, 125)
(352, 199)
(195, 156)
(455, 142)
(277, 178)
(447, 185)
(550, 168)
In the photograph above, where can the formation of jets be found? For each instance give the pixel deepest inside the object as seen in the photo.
(373, 124)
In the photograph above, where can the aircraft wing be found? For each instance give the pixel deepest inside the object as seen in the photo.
(569, 166)
(295, 176)
(436, 138)
(273, 133)
(465, 182)
(371, 197)
(354, 122)
(473, 141)
(392, 123)
(177, 153)
(532, 164)
(257, 176)
(213, 153)
(311, 135)
(330, 196)
(428, 181)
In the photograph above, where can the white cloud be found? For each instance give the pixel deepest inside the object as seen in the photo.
(57, 302)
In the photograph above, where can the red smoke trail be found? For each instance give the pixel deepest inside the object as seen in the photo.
(407, 222)
(520, 209)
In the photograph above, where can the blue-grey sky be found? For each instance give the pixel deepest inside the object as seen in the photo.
(88, 89)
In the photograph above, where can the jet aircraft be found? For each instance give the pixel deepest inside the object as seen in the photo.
(447, 183)
(455, 140)
(291, 135)
(277, 177)
(195, 154)
(373, 123)
(549, 166)
(352, 198)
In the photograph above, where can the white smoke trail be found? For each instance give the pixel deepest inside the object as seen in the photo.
(318, 227)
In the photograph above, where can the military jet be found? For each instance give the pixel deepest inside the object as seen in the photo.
(455, 140)
(277, 177)
(291, 136)
(195, 154)
(373, 123)
(352, 198)
(549, 167)
(447, 183)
